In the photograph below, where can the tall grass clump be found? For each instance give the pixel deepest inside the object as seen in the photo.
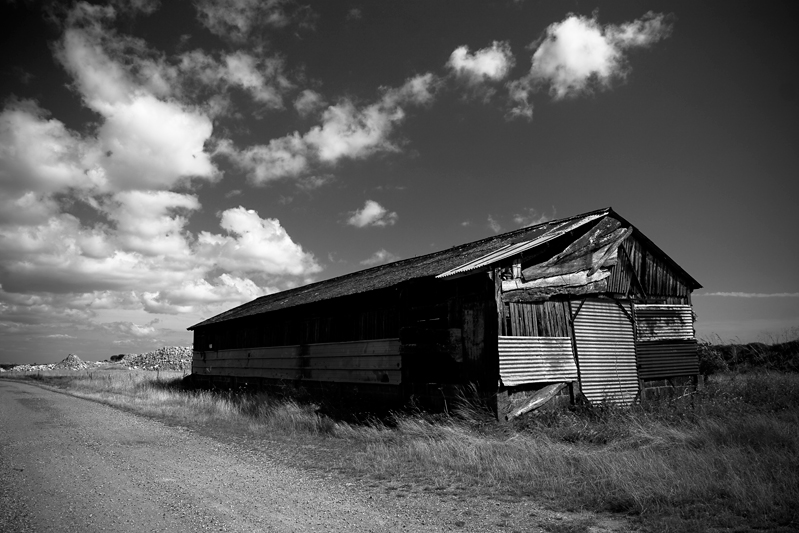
(729, 455)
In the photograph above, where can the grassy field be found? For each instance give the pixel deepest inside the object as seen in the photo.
(726, 459)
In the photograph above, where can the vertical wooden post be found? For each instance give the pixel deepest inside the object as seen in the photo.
(572, 316)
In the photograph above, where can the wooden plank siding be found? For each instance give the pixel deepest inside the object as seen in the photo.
(639, 270)
(371, 361)
(536, 319)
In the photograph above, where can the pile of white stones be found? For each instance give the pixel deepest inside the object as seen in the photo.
(71, 362)
(31, 368)
(166, 358)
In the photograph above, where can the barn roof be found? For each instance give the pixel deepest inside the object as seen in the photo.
(458, 261)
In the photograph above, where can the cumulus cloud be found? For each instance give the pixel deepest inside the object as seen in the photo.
(142, 141)
(131, 329)
(531, 217)
(256, 245)
(494, 225)
(372, 214)
(90, 223)
(40, 154)
(155, 265)
(283, 157)
(262, 77)
(380, 257)
(238, 19)
(308, 102)
(487, 64)
(346, 132)
(579, 55)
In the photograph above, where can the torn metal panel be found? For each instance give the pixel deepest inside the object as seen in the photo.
(535, 360)
(546, 293)
(604, 232)
(598, 250)
(538, 400)
(511, 250)
(576, 279)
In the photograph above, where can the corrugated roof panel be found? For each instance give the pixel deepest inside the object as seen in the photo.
(513, 249)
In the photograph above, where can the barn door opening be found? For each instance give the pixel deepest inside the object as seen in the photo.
(605, 342)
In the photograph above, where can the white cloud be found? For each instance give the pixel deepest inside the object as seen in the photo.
(150, 223)
(379, 257)
(148, 260)
(308, 102)
(127, 249)
(492, 63)
(238, 19)
(262, 77)
(131, 329)
(254, 245)
(283, 157)
(494, 225)
(142, 141)
(346, 131)
(578, 55)
(531, 217)
(372, 214)
(41, 155)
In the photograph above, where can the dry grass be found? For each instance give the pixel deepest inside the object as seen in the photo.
(726, 459)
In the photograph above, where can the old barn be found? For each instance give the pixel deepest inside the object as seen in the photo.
(587, 301)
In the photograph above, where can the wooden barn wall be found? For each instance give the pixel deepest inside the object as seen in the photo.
(445, 330)
(536, 319)
(373, 361)
(638, 269)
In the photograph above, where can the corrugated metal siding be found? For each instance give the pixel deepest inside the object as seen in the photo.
(665, 344)
(666, 359)
(606, 352)
(662, 322)
(535, 360)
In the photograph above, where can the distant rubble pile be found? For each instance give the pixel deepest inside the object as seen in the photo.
(166, 358)
(31, 368)
(71, 362)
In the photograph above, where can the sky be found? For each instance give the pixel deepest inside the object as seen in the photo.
(161, 162)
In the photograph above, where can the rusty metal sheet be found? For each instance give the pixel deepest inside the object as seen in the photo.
(535, 360)
(513, 249)
(606, 351)
(655, 322)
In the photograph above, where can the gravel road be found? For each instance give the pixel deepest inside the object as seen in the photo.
(68, 464)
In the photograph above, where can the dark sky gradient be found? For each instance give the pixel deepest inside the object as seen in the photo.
(698, 146)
